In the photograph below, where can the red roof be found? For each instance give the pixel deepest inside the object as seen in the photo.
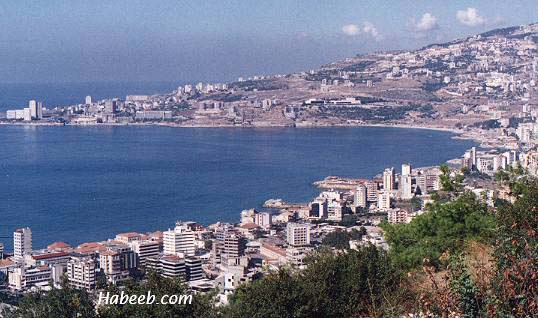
(49, 255)
(249, 226)
(58, 245)
(129, 234)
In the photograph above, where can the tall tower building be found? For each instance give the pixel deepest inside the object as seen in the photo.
(371, 190)
(406, 169)
(360, 199)
(473, 157)
(388, 179)
(22, 243)
(179, 241)
(39, 111)
(32, 105)
(405, 187)
(88, 100)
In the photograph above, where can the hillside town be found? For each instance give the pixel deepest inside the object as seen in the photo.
(479, 87)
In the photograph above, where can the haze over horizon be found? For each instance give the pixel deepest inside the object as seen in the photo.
(165, 40)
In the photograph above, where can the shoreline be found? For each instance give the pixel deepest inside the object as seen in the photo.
(457, 133)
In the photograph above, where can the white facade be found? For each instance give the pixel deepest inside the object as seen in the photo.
(383, 202)
(179, 241)
(81, 272)
(22, 243)
(388, 179)
(360, 199)
(298, 234)
(405, 187)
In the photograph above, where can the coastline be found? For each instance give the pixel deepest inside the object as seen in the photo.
(458, 134)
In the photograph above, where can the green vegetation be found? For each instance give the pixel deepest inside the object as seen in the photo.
(384, 113)
(349, 220)
(444, 227)
(58, 303)
(340, 239)
(357, 283)
(259, 85)
(201, 306)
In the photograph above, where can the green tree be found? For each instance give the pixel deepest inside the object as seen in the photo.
(444, 227)
(201, 306)
(64, 302)
(516, 254)
(359, 283)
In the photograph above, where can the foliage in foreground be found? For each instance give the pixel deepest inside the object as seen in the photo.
(353, 283)
(444, 227)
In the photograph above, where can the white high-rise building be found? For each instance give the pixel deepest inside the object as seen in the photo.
(88, 100)
(360, 199)
(388, 179)
(27, 114)
(383, 202)
(81, 272)
(179, 241)
(405, 187)
(39, 110)
(473, 157)
(32, 105)
(298, 234)
(22, 243)
(406, 169)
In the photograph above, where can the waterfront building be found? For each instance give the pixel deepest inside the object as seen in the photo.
(153, 115)
(406, 169)
(88, 100)
(334, 210)
(360, 198)
(263, 219)
(47, 258)
(298, 234)
(117, 263)
(168, 265)
(383, 202)
(1, 251)
(247, 216)
(318, 209)
(22, 243)
(388, 179)
(421, 184)
(145, 249)
(23, 278)
(179, 241)
(39, 110)
(11, 114)
(27, 115)
(473, 157)
(371, 190)
(193, 269)
(81, 271)
(32, 105)
(234, 245)
(406, 187)
(110, 106)
(128, 237)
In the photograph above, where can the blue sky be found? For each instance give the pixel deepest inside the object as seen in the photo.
(174, 40)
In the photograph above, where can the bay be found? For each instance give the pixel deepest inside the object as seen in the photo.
(79, 184)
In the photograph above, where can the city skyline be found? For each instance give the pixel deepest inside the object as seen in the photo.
(185, 41)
